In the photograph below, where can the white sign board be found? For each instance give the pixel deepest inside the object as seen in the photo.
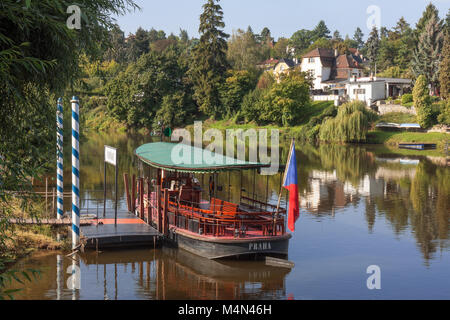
(111, 155)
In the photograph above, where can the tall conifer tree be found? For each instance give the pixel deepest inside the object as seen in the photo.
(209, 61)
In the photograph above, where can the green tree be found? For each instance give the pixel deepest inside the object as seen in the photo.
(444, 116)
(245, 52)
(358, 37)
(176, 110)
(422, 102)
(117, 50)
(265, 36)
(320, 31)
(236, 86)
(444, 74)
(430, 12)
(300, 41)
(337, 36)
(209, 61)
(279, 50)
(284, 102)
(427, 56)
(137, 94)
(372, 47)
(252, 106)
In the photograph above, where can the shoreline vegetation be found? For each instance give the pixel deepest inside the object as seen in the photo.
(390, 139)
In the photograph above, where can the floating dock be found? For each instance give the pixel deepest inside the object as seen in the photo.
(417, 146)
(130, 231)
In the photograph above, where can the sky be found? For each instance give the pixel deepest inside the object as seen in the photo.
(282, 17)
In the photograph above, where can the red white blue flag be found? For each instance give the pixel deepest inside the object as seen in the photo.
(290, 183)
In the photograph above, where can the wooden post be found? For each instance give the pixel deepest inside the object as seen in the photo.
(46, 194)
(104, 189)
(133, 194)
(127, 190)
(165, 217)
(53, 200)
(149, 207)
(158, 207)
(141, 198)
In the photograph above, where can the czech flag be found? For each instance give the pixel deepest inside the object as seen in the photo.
(290, 183)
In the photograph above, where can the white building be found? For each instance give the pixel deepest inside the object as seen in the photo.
(328, 67)
(370, 90)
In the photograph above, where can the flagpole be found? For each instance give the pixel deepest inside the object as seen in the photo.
(281, 188)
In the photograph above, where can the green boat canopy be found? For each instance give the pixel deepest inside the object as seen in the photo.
(185, 158)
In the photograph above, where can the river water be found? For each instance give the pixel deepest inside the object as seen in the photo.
(360, 206)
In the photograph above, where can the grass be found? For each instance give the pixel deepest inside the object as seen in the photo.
(397, 117)
(19, 240)
(394, 138)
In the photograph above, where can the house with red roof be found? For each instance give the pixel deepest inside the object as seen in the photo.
(328, 67)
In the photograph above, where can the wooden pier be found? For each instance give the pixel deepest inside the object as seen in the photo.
(130, 231)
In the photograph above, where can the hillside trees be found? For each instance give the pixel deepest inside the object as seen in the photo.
(136, 95)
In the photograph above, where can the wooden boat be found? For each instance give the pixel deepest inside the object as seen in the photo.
(172, 199)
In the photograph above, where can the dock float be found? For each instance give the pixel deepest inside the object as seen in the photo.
(417, 146)
(130, 231)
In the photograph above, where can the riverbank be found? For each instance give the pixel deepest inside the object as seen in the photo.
(393, 139)
(389, 139)
(21, 240)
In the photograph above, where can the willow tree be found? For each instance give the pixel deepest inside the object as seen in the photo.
(350, 125)
(209, 59)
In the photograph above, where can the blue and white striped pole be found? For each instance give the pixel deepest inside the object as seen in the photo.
(59, 160)
(75, 172)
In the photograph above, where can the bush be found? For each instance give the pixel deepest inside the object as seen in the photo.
(252, 106)
(422, 102)
(444, 116)
(284, 104)
(407, 98)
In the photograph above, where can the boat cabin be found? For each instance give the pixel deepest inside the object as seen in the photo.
(176, 199)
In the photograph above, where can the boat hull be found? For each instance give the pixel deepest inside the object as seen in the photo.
(215, 248)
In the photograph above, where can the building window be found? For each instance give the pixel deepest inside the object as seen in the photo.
(311, 60)
(359, 91)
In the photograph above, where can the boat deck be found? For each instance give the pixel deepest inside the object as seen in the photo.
(129, 231)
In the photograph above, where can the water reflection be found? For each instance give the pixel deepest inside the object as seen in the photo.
(410, 192)
(153, 274)
(398, 205)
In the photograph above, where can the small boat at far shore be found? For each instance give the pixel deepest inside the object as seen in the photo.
(417, 146)
(172, 200)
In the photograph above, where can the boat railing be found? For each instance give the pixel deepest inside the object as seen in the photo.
(221, 226)
(256, 201)
(218, 221)
(223, 223)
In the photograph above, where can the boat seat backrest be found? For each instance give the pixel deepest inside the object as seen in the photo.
(224, 207)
